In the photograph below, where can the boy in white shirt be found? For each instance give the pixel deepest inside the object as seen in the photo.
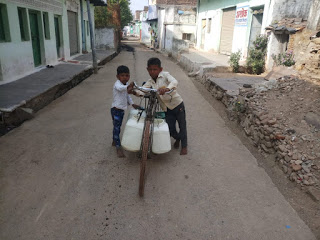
(171, 103)
(121, 100)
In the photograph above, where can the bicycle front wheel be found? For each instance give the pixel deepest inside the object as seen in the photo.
(144, 155)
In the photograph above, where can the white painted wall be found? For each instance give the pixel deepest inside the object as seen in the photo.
(104, 38)
(145, 33)
(168, 37)
(172, 25)
(314, 16)
(212, 39)
(161, 17)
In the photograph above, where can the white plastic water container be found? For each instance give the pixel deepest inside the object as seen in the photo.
(132, 135)
(161, 137)
(135, 112)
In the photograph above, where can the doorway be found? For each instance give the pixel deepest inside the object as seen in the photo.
(73, 32)
(227, 29)
(35, 38)
(256, 25)
(57, 32)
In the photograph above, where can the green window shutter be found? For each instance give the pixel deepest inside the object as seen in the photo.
(46, 25)
(88, 29)
(22, 32)
(23, 22)
(2, 32)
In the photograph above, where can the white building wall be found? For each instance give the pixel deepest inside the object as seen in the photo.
(242, 33)
(212, 39)
(161, 17)
(168, 37)
(172, 25)
(104, 38)
(180, 29)
(50, 49)
(145, 33)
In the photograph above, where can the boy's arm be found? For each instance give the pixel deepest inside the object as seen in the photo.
(120, 87)
(173, 83)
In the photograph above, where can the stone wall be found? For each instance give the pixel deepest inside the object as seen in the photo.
(266, 131)
(307, 54)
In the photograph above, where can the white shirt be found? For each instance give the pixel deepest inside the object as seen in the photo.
(121, 98)
(165, 80)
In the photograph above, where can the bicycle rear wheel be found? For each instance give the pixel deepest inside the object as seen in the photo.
(144, 155)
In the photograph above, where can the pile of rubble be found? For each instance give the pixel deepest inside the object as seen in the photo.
(283, 118)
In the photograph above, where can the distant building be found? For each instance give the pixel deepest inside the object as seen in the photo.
(174, 24)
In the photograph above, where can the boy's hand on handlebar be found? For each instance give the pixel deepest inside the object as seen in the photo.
(130, 88)
(163, 90)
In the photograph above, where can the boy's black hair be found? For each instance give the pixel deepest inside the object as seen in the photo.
(122, 69)
(154, 61)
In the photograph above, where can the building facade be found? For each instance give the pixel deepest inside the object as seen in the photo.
(37, 33)
(231, 25)
(174, 23)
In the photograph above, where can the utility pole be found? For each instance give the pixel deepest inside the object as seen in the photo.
(94, 57)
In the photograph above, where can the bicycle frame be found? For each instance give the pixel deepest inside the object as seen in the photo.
(146, 142)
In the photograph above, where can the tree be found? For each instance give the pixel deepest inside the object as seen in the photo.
(117, 14)
(125, 12)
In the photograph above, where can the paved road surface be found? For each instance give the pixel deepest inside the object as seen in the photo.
(60, 178)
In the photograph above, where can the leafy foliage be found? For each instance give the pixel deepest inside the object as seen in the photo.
(125, 12)
(257, 54)
(234, 61)
(285, 59)
(117, 14)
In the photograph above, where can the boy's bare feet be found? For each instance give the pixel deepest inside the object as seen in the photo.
(176, 144)
(120, 153)
(184, 151)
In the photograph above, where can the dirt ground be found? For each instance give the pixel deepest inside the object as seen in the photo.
(289, 103)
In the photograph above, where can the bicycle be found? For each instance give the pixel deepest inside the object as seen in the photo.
(146, 143)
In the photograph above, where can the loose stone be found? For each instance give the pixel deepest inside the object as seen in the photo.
(296, 167)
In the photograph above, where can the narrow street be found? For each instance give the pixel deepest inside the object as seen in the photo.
(60, 177)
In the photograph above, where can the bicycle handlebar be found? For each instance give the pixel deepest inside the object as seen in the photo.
(147, 90)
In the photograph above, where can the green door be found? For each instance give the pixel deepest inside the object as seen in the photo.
(84, 36)
(57, 31)
(35, 37)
